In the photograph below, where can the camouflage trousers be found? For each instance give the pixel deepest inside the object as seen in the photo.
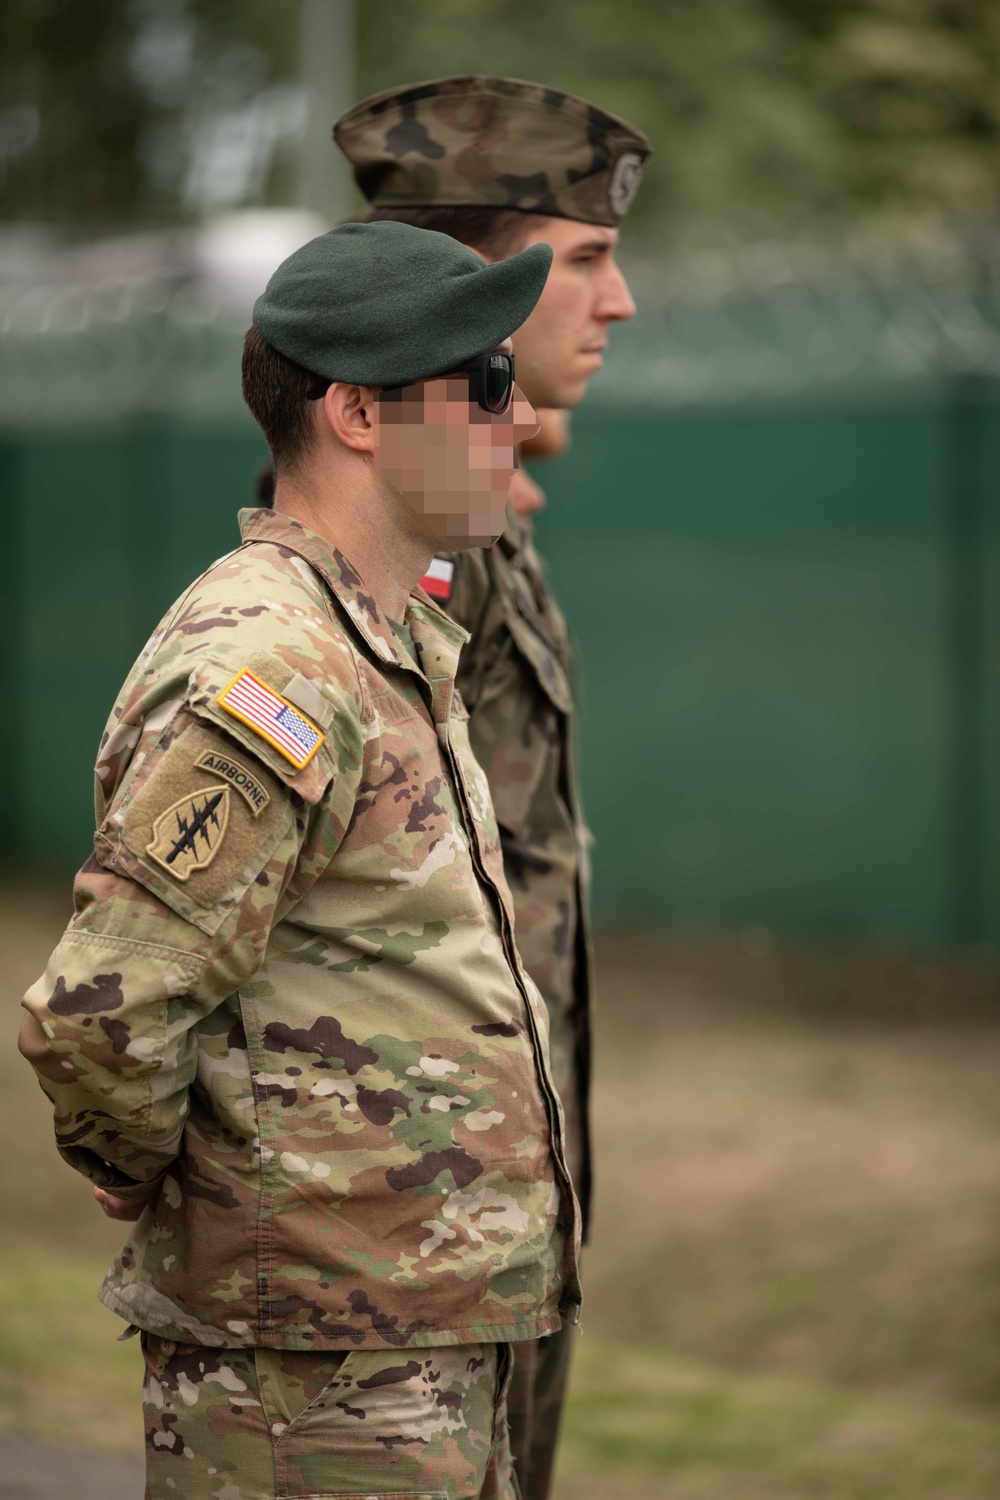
(534, 1408)
(259, 1424)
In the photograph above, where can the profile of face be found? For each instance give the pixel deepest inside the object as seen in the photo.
(561, 345)
(450, 461)
(526, 496)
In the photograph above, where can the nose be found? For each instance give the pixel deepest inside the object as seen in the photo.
(615, 304)
(525, 422)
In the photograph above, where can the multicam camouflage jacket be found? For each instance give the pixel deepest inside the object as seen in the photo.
(288, 1013)
(514, 677)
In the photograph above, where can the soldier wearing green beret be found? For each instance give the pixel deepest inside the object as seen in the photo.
(287, 1032)
(500, 165)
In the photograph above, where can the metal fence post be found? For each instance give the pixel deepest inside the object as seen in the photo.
(965, 654)
(12, 844)
(328, 76)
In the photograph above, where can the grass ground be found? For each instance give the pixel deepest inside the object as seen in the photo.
(794, 1284)
(63, 1373)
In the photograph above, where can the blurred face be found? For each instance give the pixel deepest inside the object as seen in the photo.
(450, 462)
(560, 346)
(526, 496)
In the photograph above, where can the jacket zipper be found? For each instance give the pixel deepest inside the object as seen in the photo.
(572, 1314)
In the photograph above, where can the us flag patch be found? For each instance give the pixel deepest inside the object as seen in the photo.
(272, 717)
(437, 580)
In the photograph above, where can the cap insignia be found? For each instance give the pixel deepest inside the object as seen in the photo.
(625, 180)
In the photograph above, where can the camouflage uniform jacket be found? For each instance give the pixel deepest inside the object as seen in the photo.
(289, 1012)
(514, 677)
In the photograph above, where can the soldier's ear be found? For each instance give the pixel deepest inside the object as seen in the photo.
(349, 412)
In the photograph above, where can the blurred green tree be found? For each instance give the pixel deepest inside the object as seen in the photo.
(723, 88)
(768, 117)
(125, 112)
(914, 86)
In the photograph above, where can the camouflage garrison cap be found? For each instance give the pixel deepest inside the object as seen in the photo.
(493, 143)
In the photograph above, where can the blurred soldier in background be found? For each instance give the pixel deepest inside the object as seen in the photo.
(500, 165)
(526, 496)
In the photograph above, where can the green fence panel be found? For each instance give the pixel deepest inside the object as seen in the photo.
(983, 629)
(762, 599)
(12, 842)
(789, 621)
(110, 526)
(76, 621)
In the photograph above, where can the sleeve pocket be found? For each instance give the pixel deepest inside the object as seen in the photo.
(208, 684)
(211, 803)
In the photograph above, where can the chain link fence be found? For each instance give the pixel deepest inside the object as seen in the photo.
(768, 322)
(775, 321)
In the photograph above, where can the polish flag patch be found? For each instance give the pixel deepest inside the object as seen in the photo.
(437, 580)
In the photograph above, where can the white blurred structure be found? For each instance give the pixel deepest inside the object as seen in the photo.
(328, 79)
(153, 323)
(227, 260)
(233, 256)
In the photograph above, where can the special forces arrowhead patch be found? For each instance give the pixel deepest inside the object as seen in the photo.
(188, 836)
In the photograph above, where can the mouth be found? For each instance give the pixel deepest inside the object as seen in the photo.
(596, 353)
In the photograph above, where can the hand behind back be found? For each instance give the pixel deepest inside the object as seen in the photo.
(118, 1208)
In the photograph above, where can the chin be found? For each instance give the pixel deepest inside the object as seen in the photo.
(571, 395)
(482, 531)
(469, 539)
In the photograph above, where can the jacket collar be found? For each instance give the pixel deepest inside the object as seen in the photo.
(438, 639)
(517, 535)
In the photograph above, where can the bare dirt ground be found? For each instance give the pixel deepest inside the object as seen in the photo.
(35, 1470)
(793, 1291)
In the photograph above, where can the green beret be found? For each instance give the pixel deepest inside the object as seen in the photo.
(387, 304)
(485, 142)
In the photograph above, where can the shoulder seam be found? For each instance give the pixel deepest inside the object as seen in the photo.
(179, 603)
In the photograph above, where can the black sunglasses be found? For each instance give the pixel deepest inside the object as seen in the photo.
(491, 382)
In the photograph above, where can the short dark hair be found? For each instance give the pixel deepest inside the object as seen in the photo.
(275, 389)
(496, 232)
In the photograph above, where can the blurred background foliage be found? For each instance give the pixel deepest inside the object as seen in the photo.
(788, 117)
(145, 113)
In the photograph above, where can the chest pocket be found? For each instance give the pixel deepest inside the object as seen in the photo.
(518, 726)
(540, 639)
